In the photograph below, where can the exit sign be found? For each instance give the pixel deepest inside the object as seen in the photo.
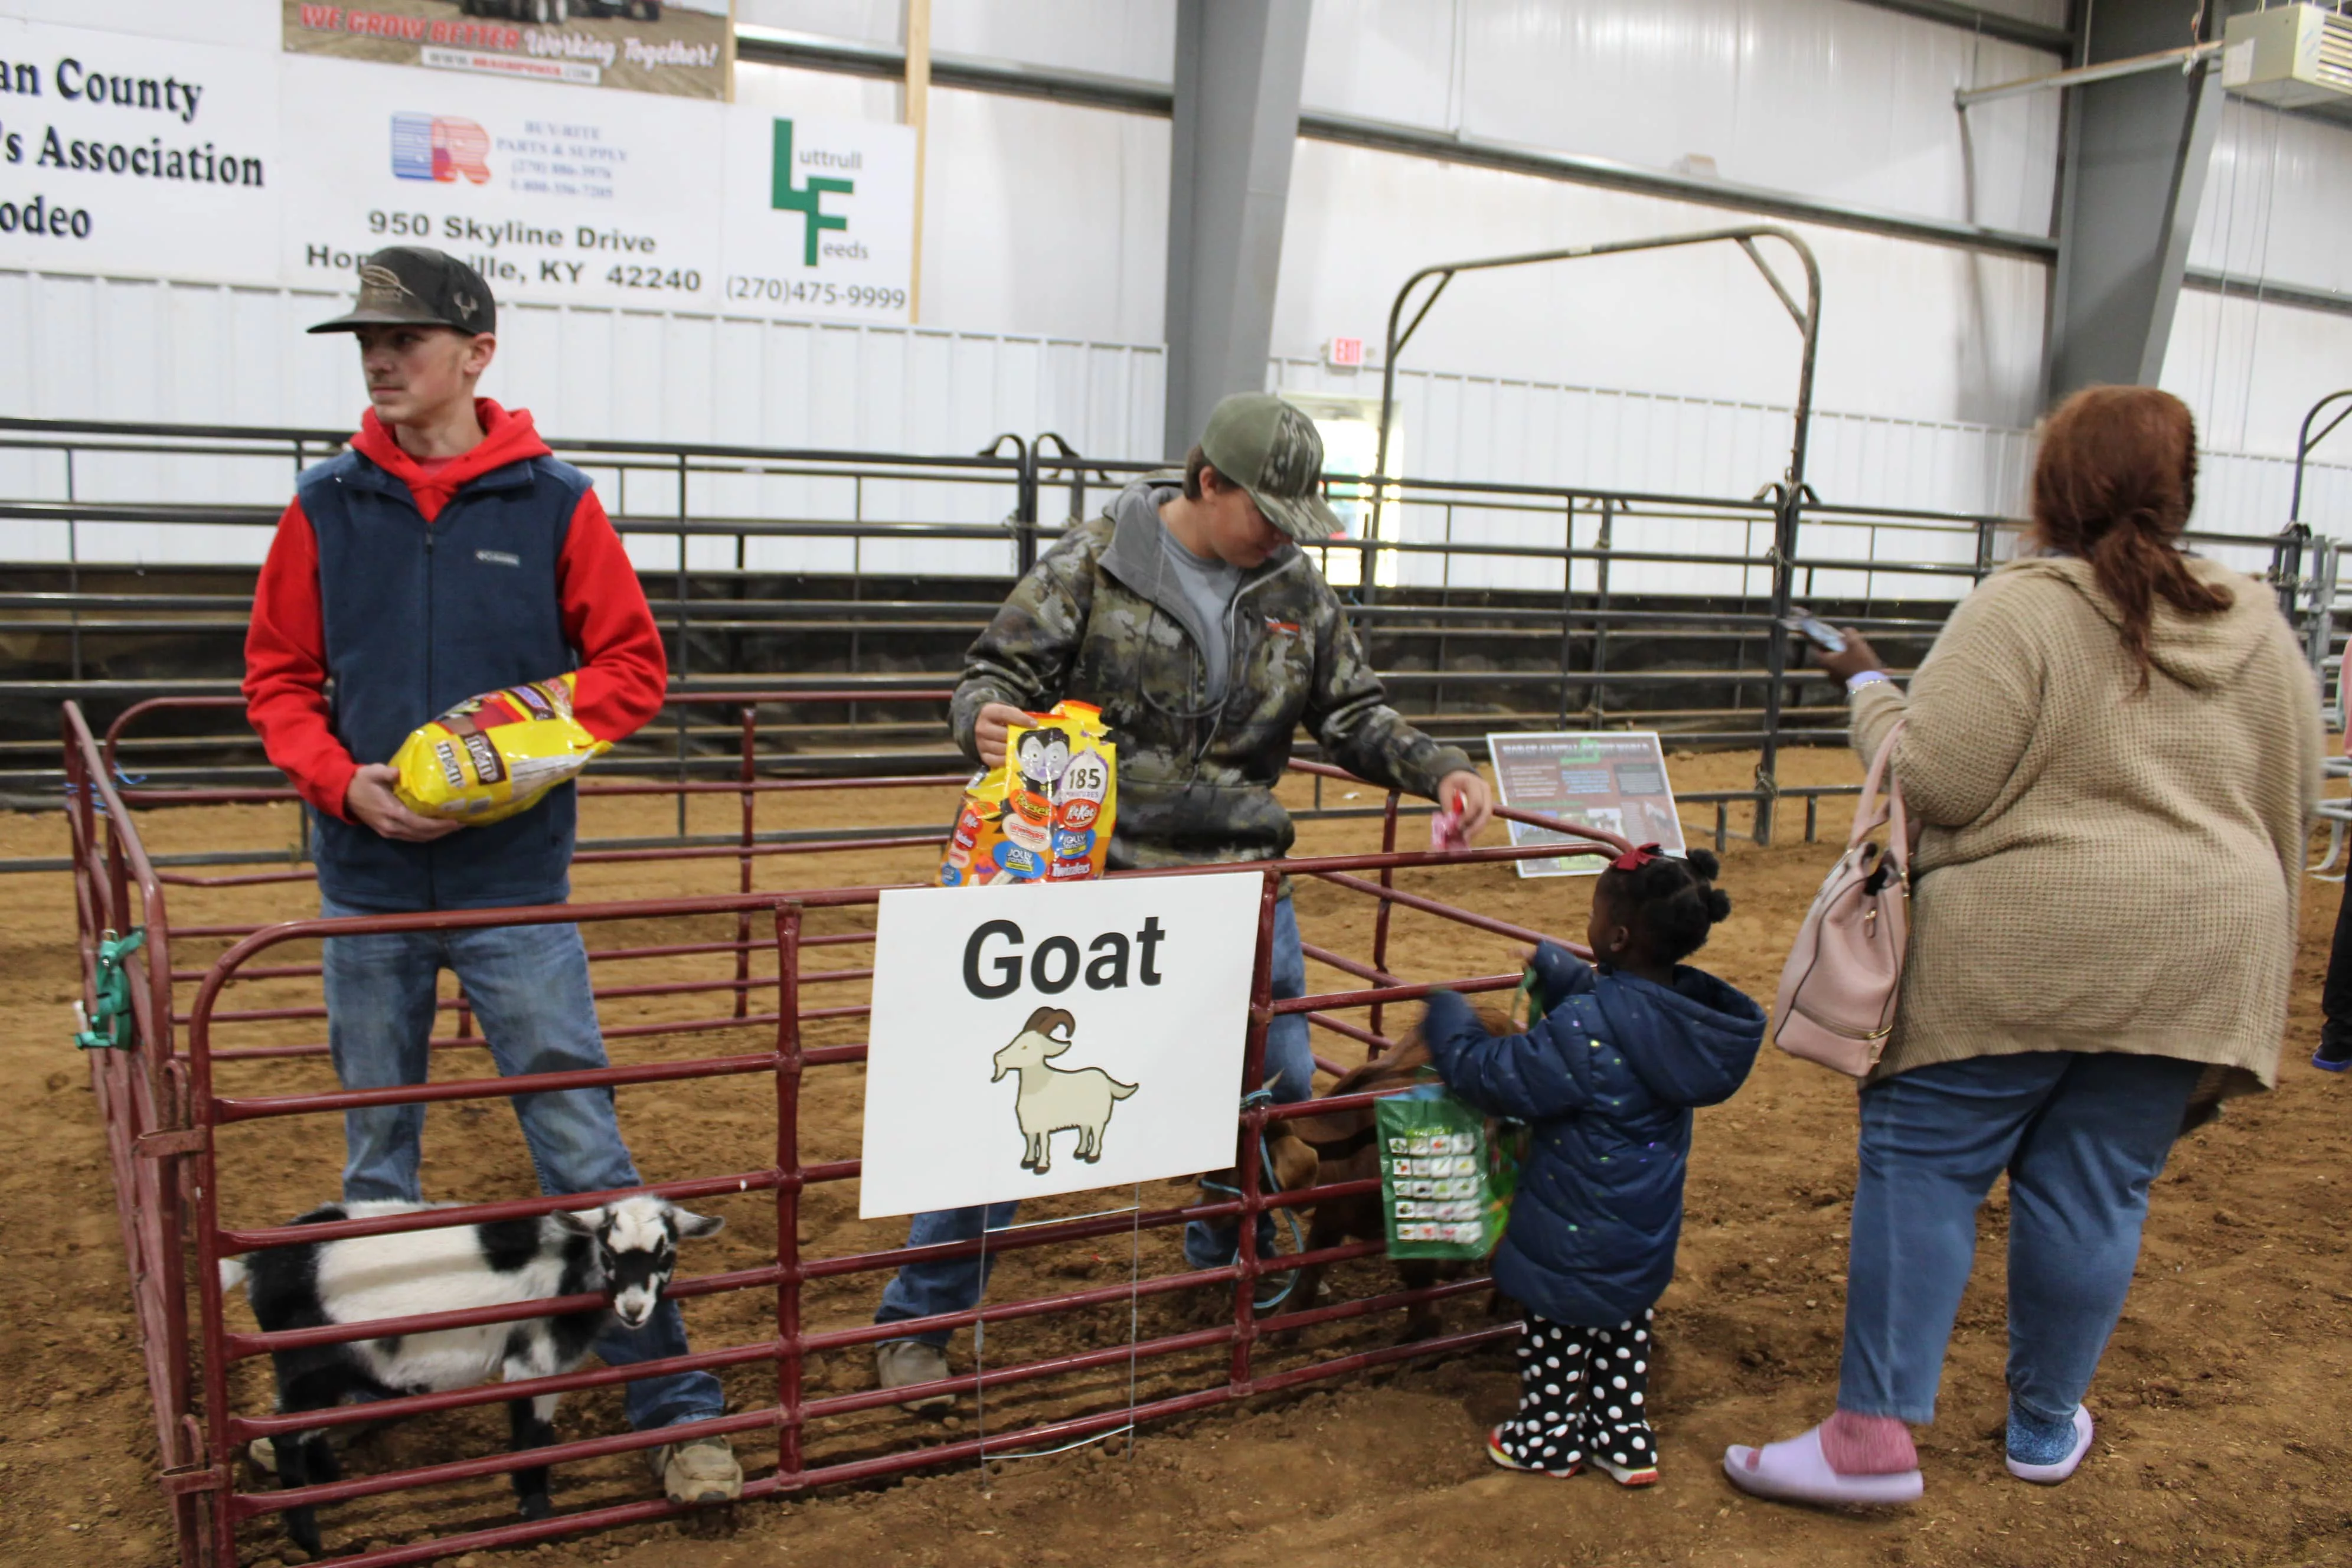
(1344, 353)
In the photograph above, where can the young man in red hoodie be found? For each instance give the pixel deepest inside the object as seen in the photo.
(445, 553)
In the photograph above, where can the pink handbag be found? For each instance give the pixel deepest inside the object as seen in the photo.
(1836, 1004)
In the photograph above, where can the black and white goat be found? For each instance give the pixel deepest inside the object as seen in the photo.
(624, 1252)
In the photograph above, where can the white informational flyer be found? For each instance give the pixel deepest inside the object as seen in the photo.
(1029, 1039)
(1613, 780)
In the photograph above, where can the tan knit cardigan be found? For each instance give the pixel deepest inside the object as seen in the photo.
(2102, 868)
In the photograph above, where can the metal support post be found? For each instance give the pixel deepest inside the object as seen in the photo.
(1239, 67)
(2136, 152)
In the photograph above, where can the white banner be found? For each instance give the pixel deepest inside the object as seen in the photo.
(1028, 1040)
(555, 196)
(137, 156)
(820, 217)
(144, 157)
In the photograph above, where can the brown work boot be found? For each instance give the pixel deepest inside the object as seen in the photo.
(701, 1470)
(900, 1363)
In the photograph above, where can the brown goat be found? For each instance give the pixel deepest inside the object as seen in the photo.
(1344, 1146)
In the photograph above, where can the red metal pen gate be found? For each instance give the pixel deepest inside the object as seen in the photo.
(165, 1111)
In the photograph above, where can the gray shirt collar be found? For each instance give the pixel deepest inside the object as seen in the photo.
(1135, 558)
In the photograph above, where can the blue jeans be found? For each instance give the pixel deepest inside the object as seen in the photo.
(954, 1285)
(529, 986)
(2081, 1136)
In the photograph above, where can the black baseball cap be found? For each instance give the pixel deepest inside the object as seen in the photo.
(413, 285)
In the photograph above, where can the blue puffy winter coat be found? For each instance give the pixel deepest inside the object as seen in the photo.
(1606, 1080)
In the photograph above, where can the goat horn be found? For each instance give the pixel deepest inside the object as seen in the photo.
(1045, 1020)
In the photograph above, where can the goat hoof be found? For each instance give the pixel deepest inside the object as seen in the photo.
(535, 1507)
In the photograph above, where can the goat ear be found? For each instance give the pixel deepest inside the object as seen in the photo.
(1054, 1045)
(584, 1224)
(1296, 1163)
(694, 1227)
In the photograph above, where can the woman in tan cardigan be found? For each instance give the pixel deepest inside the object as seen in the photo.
(2114, 747)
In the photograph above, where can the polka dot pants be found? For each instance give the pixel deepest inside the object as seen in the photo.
(1582, 1393)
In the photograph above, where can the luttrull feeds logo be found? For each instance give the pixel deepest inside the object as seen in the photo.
(807, 198)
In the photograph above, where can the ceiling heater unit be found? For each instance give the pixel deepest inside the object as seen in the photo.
(2291, 57)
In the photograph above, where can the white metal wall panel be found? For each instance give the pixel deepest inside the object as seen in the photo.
(239, 24)
(1908, 331)
(2049, 13)
(1115, 38)
(2278, 199)
(1476, 428)
(1045, 219)
(2249, 370)
(1826, 97)
(865, 21)
(1038, 219)
(1112, 37)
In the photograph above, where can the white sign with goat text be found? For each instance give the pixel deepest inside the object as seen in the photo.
(1034, 1039)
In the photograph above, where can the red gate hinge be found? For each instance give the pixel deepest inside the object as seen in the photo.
(162, 1145)
(194, 1478)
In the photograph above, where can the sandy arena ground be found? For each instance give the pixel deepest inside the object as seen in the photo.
(2222, 1438)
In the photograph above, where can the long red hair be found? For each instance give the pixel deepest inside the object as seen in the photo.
(2114, 483)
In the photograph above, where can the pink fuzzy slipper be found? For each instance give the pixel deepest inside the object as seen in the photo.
(1795, 1471)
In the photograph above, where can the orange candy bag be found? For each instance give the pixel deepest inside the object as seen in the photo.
(1046, 814)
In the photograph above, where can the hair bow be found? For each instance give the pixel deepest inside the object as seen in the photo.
(1634, 860)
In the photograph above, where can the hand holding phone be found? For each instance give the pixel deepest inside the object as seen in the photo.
(1816, 631)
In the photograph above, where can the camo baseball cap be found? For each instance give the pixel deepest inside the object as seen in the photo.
(413, 285)
(1270, 448)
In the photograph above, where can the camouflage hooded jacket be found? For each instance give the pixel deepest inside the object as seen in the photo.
(1094, 622)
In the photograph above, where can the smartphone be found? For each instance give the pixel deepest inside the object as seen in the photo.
(1816, 631)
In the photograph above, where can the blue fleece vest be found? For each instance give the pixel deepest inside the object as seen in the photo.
(418, 618)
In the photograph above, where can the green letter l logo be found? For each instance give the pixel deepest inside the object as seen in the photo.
(789, 197)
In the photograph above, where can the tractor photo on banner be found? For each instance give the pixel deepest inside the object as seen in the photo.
(684, 48)
(1028, 1040)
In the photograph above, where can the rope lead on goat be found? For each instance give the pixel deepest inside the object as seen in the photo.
(108, 1020)
(1257, 1097)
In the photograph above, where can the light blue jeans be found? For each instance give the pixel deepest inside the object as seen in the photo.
(2081, 1136)
(955, 1284)
(530, 990)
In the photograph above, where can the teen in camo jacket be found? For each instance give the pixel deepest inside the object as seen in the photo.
(1188, 614)
(1099, 621)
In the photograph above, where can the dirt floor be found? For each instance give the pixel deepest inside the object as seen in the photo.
(2220, 1427)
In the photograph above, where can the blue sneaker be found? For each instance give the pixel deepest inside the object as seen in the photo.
(2334, 1052)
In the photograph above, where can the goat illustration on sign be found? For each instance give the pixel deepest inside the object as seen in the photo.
(1056, 1099)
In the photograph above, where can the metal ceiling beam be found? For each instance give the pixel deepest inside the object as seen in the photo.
(1607, 173)
(2179, 59)
(2267, 291)
(770, 46)
(1975, 20)
(975, 73)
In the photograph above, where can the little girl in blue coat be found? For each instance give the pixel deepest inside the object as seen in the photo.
(1606, 1079)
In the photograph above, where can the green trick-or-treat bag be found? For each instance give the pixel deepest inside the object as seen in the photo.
(1446, 1175)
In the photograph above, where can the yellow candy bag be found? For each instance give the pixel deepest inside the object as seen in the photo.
(495, 755)
(1046, 814)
